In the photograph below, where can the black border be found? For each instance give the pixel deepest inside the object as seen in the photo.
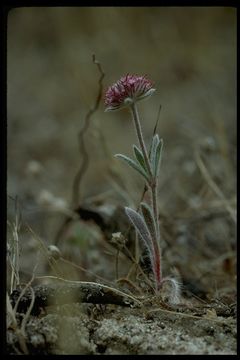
(6, 7)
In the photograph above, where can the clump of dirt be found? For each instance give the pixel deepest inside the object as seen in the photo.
(111, 329)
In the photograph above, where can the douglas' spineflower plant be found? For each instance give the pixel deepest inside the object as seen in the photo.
(126, 92)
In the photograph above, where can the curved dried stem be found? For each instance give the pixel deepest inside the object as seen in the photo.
(83, 151)
(82, 147)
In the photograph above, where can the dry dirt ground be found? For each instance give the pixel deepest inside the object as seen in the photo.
(190, 54)
(112, 329)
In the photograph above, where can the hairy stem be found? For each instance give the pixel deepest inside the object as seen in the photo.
(153, 186)
(138, 128)
(157, 249)
(154, 205)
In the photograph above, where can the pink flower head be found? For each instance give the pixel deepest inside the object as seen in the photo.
(127, 90)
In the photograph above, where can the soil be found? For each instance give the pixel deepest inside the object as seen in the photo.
(112, 329)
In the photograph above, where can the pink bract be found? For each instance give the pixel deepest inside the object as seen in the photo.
(128, 89)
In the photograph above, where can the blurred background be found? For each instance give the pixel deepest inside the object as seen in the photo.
(190, 55)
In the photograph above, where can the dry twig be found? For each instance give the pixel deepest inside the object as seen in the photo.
(70, 292)
(82, 148)
(83, 152)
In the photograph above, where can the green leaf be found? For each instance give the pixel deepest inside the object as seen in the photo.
(149, 219)
(155, 154)
(133, 164)
(139, 157)
(139, 223)
(158, 155)
(154, 144)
